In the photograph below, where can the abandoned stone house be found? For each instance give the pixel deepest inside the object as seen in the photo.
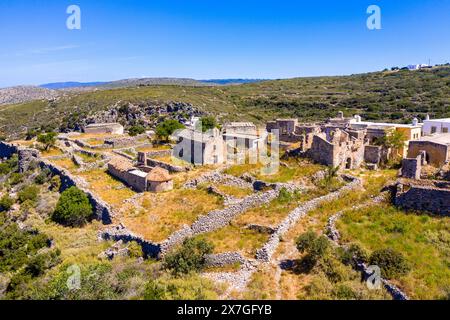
(338, 149)
(104, 128)
(200, 148)
(156, 180)
(436, 148)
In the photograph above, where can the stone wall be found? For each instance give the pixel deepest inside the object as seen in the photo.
(217, 219)
(121, 233)
(136, 182)
(372, 154)
(423, 198)
(169, 167)
(412, 168)
(102, 210)
(224, 259)
(266, 252)
(437, 154)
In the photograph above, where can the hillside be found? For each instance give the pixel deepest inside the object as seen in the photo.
(22, 94)
(395, 96)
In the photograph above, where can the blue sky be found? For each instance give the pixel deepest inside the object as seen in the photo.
(206, 39)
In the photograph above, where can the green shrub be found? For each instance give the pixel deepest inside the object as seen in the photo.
(15, 178)
(28, 193)
(391, 263)
(73, 208)
(135, 250)
(207, 123)
(190, 257)
(6, 203)
(43, 177)
(136, 130)
(9, 165)
(165, 129)
(187, 288)
(353, 253)
(47, 139)
(316, 248)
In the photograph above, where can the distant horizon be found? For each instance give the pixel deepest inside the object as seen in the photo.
(210, 79)
(200, 39)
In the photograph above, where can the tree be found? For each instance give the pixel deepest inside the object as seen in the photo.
(47, 139)
(136, 130)
(190, 257)
(207, 123)
(391, 263)
(165, 129)
(315, 247)
(73, 208)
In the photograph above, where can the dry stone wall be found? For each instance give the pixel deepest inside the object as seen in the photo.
(265, 253)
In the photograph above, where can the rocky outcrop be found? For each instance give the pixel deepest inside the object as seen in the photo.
(149, 113)
(22, 94)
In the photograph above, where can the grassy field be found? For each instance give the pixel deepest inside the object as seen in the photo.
(66, 163)
(107, 188)
(164, 213)
(236, 237)
(296, 170)
(424, 241)
(398, 96)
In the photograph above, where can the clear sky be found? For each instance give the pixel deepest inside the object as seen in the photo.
(206, 39)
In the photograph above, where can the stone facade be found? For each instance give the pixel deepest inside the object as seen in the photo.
(412, 168)
(437, 149)
(338, 149)
(200, 148)
(156, 180)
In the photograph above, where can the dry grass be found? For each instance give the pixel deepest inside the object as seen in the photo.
(234, 191)
(77, 245)
(164, 213)
(236, 237)
(65, 163)
(107, 188)
(153, 148)
(270, 214)
(52, 152)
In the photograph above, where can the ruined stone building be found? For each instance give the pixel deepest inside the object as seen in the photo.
(436, 148)
(156, 180)
(104, 128)
(338, 149)
(200, 148)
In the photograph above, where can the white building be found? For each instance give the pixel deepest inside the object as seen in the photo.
(436, 126)
(417, 66)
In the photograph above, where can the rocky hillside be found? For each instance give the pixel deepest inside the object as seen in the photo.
(147, 114)
(22, 94)
(397, 96)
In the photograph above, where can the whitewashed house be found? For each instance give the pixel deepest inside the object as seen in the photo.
(436, 126)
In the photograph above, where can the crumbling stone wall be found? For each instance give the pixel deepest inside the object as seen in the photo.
(423, 198)
(121, 233)
(169, 167)
(265, 253)
(224, 259)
